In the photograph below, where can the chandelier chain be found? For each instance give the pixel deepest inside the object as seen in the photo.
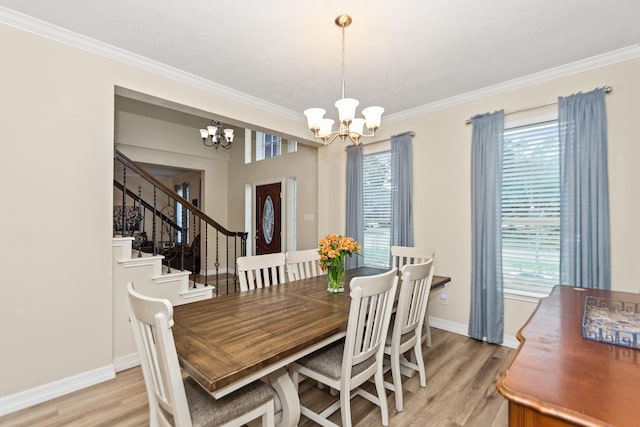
(343, 58)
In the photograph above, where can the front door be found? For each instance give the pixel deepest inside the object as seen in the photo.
(268, 224)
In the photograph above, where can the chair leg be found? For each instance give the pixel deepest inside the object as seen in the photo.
(397, 380)
(417, 349)
(427, 330)
(268, 419)
(345, 407)
(382, 397)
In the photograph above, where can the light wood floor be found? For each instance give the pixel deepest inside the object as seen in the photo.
(461, 375)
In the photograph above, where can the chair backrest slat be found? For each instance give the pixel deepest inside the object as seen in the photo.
(404, 255)
(303, 264)
(261, 270)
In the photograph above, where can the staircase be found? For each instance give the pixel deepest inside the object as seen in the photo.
(151, 273)
(150, 277)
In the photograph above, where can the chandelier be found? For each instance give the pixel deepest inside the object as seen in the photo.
(350, 127)
(213, 136)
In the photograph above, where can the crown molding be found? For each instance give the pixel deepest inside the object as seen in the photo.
(609, 58)
(61, 35)
(41, 28)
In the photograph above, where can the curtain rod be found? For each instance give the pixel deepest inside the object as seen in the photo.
(607, 89)
(412, 133)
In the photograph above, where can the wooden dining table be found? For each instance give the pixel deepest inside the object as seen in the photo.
(227, 342)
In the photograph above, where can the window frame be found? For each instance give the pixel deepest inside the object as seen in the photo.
(268, 141)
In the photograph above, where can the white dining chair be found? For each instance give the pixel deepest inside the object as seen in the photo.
(405, 332)
(259, 271)
(403, 255)
(347, 364)
(178, 402)
(303, 264)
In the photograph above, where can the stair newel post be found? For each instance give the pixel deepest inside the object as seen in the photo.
(167, 228)
(153, 223)
(184, 235)
(194, 250)
(139, 217)
(227, 261)
(124, 199)
(206, 256)
(217, 264)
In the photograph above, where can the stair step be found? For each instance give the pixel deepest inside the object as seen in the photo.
(199, 292)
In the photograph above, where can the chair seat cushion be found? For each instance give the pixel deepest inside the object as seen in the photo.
(403, 338)
(328, 361)
(207, 411)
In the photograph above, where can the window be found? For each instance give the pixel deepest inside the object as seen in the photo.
(267, 146)
(531, 208)
(376, 178)
(292, 146)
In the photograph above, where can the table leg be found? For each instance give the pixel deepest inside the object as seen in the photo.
(289, 399)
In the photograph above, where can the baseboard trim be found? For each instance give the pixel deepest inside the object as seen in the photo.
(463, 329)
(45, 392)
(129, 361)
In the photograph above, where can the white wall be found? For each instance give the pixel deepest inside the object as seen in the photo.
(57, 128)
(442, 147)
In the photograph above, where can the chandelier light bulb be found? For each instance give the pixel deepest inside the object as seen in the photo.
(228, 134)
(314, 117)
(326, 125)
(373, 117)
(347, 109)
(356, 127)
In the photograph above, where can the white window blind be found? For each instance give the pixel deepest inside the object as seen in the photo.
(376, 174)
(531, 208)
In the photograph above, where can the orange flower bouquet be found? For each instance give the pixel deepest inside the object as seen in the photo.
(333, 249)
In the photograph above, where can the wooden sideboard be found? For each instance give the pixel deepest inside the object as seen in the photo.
(559, 378)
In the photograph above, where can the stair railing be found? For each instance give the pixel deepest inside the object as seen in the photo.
(148, 208)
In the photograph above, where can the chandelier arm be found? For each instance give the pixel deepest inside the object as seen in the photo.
(209, 142)
(330, 138)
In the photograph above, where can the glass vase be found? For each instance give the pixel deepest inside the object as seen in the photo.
(335, 275)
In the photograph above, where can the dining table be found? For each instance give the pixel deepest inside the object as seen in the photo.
(227, 342)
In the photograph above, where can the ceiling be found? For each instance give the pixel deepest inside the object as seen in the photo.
(401, 55)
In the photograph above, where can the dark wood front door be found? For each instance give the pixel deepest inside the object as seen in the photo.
(268, 214)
